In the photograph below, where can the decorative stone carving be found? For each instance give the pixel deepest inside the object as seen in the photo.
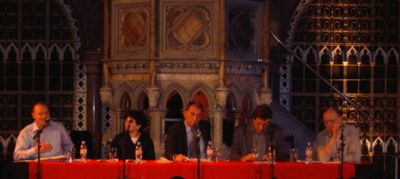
(153, 94)
(133, 29)
(265, 96)
(188, 67)
(106, 95)
(188, 28)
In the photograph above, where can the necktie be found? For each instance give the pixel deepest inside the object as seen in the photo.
(194, 144)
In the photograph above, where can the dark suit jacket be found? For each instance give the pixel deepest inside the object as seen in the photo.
(176, 142)
(243, 138)
(126, 148)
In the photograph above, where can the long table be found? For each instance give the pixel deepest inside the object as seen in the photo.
(208, 170)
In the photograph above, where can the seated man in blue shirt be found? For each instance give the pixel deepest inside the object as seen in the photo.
(54, 139)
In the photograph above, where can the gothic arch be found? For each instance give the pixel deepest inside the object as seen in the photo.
(37, 48)
(165, 94)
(377, 52)
(309, 50)
(118, 95)
(234, 89)
(8, 49)
(207, 91)
(138, 90)
(58, 49)
(24, 48)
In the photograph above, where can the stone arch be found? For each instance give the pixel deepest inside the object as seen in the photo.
(395, 53)
(36, 50)
(378, 52)
(298, 51)
(138, 90)
(58, 49)
(352, 51)
(24, 48)
(8, 49)
(207, 91)
(72, 23)
(324, 51)
(336, 54)
(310, 50)
(65, 49)
(165, 94)
(118, 95)
(235, 91)
(378, 141)
(365, 52)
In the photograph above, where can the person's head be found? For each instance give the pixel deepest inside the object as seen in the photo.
(331, 115)
(40, 113)
(135, 121)
(193, 113)
(261, 117)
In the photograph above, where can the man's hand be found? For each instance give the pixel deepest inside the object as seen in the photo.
(44, 148)
(180, 158)
(249, 157)
(336, 125)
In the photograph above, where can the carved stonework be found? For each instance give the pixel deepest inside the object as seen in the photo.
(130, 67)
(133, 29)
(244, 68)
(265, 96)
(188, 28)
(154, 95)
(130, 30)
(188, 67)
(106, 95)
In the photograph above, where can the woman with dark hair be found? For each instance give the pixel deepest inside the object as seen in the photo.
(135, 122)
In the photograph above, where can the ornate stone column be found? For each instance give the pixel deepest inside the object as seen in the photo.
(93, 108)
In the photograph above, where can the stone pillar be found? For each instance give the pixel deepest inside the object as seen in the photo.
(265, 92)
(156, 116)
(219, 114)
(93, 108)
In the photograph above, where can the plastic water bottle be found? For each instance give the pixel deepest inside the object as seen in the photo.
(309, 152)
(83, 150)
(138, 152)
(210, 151)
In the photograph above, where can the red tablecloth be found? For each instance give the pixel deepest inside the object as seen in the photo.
(208, 170)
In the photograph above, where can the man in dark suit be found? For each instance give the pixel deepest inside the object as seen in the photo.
(252, 140)
(185, 138)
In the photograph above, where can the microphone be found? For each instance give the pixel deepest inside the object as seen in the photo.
(40, 130)
(196, 128)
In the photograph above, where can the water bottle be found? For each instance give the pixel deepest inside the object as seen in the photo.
(269, 154)
(83, 151)
(210, 151)
(138, 153)
(309, 152)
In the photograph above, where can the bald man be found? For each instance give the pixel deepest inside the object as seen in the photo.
(328, 141)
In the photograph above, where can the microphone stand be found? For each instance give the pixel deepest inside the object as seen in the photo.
(272, 157)
(341, 166)
(123, 156)
(37, 137)
(197, 141)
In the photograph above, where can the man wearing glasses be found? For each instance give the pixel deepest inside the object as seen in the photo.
(251, 141)
(328, 140)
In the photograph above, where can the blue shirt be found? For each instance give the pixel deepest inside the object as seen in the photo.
(54, 133)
